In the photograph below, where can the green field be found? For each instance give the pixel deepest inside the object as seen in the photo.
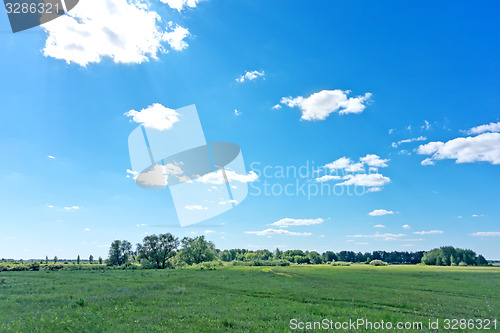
(243, 299)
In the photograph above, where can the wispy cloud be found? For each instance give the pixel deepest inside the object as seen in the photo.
(71, 208)
(486, 234)
(195, 207)
(430, 232)
(286, 222)
(420, 138)
(272, 232)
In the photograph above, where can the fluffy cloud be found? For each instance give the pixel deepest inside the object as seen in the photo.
(374, 161)
(491, 127)
(380, 212)
(286, 222)
(217, 178)
(180, 5)
(486, 234)
(271, 232)
(248, 76)
(195, 207)
(320, 105)
(175, 37)
(122, 30)
(431, 232)
(482, 148)
(340, 163)
(406, 226)
(369, 180)
(155, 116)
(51, 157)
(225, 202)
(420, 138)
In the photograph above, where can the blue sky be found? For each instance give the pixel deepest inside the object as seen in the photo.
(431, 71)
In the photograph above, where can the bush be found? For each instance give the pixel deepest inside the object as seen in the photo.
(378, 263)
(462, 264)
(341, 263)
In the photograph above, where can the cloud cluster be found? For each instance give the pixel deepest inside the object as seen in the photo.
(481, 148)
(121, 30)
(320, 105)
(491, 127)
(430, 232)
(217, 178)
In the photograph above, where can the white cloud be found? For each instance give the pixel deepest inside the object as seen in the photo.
(486, 234)
(406, 226)
(51, 157)
(140, 225)
(87, 229)
(482, 148)
(50, 206)
(320, 105)
(491, 127)
(175, 37)
(477, 215)
(155, 116)
(426, 126)
(271, 232)
(225, 202)
(286, 222)
(276, 107)
(374, 161)
(71, 208)
(361, 243)
(326, 178)
(209, 232)
(381, 212)
(132, 174)
(341, 163)
(195, 207)
(378, 235)
(237, 113)
(180, 5)
(379, 226)
(369, 180)
(217, 178)
(248, 76)
(420, 138)
(430, 232)
(124, 31)
(374, 189)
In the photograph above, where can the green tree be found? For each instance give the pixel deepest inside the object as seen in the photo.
(156, 250)
(119, 252)
(55, 260)
(78, 260)
(46, 260)
(314, 258)
(196, 250)
(91, 259)
(100, 261)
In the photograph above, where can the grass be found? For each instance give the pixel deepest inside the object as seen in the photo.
(242, 299)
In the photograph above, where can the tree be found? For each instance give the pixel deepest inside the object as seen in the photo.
(55, 260)
(314, 257)
(78, 260)
(156, 250)
(91, 259)
(329, 256)
(196, 250)
(46, 260)
(100, 261)
(119, 252)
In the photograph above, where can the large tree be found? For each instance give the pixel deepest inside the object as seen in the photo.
(156, 250)
(119, 252)
(196, 250)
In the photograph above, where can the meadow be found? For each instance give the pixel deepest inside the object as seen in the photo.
(244, 299)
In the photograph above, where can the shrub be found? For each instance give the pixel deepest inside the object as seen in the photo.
(462, 264)
(378, 263)
(341, 263)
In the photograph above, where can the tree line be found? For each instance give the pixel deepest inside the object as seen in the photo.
(167, 251)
